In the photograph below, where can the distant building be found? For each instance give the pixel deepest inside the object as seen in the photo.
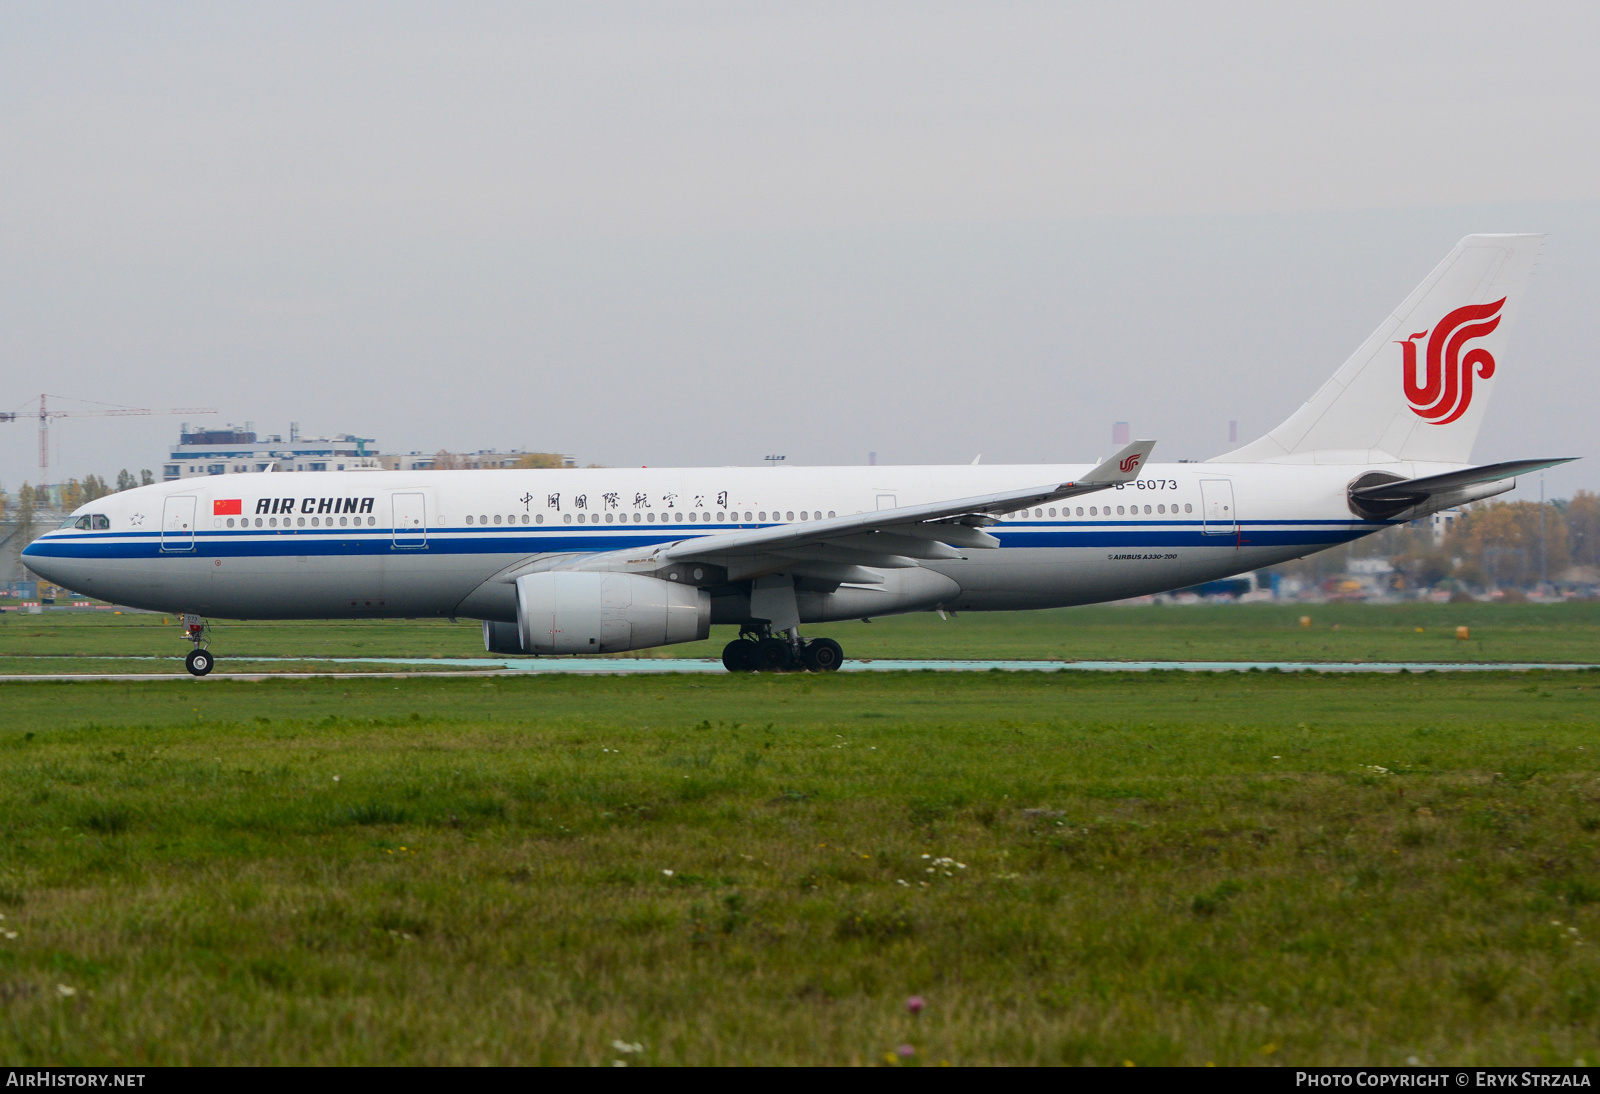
(1442, 522)
(485, 458)
(234, 451)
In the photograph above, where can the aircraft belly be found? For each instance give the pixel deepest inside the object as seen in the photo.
(1050, 577)
(244, 586)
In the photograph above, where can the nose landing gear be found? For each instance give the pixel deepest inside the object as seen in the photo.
(200, 660)
(762, 651)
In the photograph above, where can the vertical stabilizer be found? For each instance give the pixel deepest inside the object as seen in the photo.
(1418, 387)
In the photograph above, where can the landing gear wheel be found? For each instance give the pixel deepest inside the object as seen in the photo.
(823, 655)
(773, 655)
(740, 655)
(199, 662)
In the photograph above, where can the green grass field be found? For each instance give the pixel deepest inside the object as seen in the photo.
(62, 642)
(1069, 868)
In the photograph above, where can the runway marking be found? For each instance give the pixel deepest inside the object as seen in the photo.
(658, 666)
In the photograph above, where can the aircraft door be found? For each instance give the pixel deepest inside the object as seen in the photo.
(177, 524)
(410, 520)
(1219, 515)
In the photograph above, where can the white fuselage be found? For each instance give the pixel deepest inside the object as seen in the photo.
(437, 543)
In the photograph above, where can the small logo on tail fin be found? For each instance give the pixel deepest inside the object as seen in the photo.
(1444, 391)
(1131, 462)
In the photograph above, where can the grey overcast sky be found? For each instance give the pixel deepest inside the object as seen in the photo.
(700, 233)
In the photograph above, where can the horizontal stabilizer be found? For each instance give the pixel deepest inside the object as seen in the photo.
(1379, 495)
(1416, 489)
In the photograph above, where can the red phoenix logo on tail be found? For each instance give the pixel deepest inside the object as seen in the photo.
(1131, 462)
(1444, 391)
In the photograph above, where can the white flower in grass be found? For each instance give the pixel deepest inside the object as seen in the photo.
(628, 1046)
(9, 934)
(667, 872)
(336, 778)
(65, 992)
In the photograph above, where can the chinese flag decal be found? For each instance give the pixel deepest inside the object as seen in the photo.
(227, 508)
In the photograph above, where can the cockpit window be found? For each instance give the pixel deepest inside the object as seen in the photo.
(99, 522)
(81, 522)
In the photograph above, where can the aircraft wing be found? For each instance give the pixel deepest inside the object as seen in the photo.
(843, 548)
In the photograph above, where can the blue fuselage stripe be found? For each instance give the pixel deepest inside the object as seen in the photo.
(258, 543)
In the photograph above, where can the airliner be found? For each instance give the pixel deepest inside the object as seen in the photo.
(602, 560)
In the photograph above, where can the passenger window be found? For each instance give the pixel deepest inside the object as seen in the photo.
(1187, 508)
(469, 518)
(1093, 512)
(678, 518)
(789, 515)
(567, 519)
(539, 519)
(830, 513)
(1120, 512)
(763, 516)
(1147, 510)
(1080, 510)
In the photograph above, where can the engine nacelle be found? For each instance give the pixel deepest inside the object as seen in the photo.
(586, 612)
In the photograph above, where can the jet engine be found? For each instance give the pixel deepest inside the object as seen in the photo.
(595, 612)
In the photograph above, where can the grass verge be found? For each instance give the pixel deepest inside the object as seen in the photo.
(1255, 868)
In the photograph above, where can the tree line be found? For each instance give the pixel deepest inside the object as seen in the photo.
(68, 495)
(1495, 544)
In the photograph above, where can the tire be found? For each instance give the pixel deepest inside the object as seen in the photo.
(823, 655)
(772, 655)
(199, 662)
(739, 656)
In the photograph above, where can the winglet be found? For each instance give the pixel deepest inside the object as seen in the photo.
(1123, 467)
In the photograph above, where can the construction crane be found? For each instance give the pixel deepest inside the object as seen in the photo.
(116, 411)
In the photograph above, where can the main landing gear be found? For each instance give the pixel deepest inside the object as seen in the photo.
(200, 660)
(762, 651)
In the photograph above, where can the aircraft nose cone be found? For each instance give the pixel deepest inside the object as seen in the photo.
(38, 558)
